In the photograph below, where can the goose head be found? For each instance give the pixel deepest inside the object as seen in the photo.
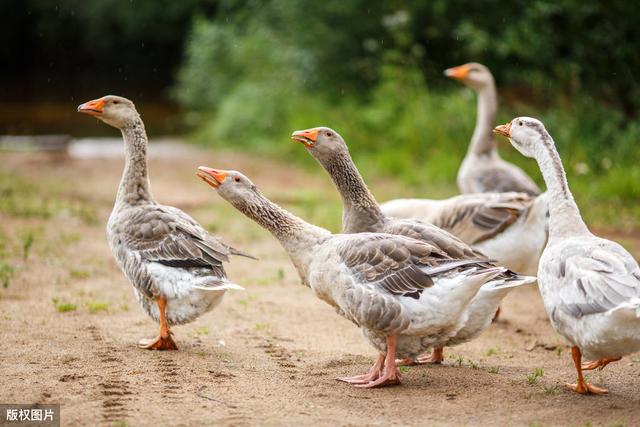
(526, 134)
(232, 186)
(322, 142)
(474, 75)
(114, 110)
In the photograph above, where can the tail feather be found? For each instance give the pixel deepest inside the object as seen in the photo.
(452, 265)
(219, 286)
(236, 252)
(511, 282)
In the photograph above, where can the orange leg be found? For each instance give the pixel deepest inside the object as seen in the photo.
(164, 340)
(598, 364)
(495, 316)
(582, 387)
(390, 373)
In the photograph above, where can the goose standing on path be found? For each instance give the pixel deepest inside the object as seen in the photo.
(174, 265)
(590, 286)
(361, 213)
(483, 170)
(403, 293)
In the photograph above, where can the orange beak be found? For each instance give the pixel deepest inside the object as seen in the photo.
(307, 137)
(213, 177)
(503, 129)
(93, 108)
(458, 73)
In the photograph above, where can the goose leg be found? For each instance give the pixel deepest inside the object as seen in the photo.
(582, 387)
(390, 373)
(598, 363)
(436, 358)
(373, 374)
(495, 316)
(164, 340)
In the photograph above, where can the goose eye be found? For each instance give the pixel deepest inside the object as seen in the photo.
(236, 179)
(116, 102)
(519, 122)
(329, 134)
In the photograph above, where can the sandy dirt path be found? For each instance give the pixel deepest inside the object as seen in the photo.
(267, 356)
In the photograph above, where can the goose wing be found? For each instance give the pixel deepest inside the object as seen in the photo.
(396, 264)
(477, 218)
(168, 236)
(594, 278)
(442, 239)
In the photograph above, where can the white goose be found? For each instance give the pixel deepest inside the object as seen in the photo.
(174, 265)
(361, 213)
(403, 293)
(483, 170)
(590, 286)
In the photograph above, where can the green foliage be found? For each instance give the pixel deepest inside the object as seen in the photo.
(259, 70)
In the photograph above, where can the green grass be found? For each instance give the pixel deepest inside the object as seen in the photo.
(199, 331)
(533, 377)
(95, 307)
(261, 326)
(21, 197)
(63, 306)
(494, 370)
(78, 274)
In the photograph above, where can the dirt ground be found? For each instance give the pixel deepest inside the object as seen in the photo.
(268, 356)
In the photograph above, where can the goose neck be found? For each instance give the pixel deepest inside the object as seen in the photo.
(564, 215)
(482, 141)
(361, 212)
(134, 185)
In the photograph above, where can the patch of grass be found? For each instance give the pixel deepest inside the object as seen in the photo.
(261, 326)
(124, 307)
(550, 390)
(69, 238)
(95, 307)
(201, 353)
(23, 198)
(120, 423)
(6, 274)
(78, 274)
(494, 370)
(491, 352)
(458, 359)
(403, 369)
(199, 331)
(28, 238)
(533, 377)
(62, 306)
(559, 350)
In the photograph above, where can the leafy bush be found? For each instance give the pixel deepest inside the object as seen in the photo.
(259, 70)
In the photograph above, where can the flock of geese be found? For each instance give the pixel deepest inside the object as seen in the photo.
(415, 275)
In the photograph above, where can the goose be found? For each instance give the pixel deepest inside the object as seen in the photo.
(483, 170)
(403, 293)
(590, 286)
(361, 213)
(172, 262)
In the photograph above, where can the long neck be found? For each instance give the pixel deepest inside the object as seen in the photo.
(134, 185)
(361, 212)
(565, 219)
(482, 141)
(295, 235)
